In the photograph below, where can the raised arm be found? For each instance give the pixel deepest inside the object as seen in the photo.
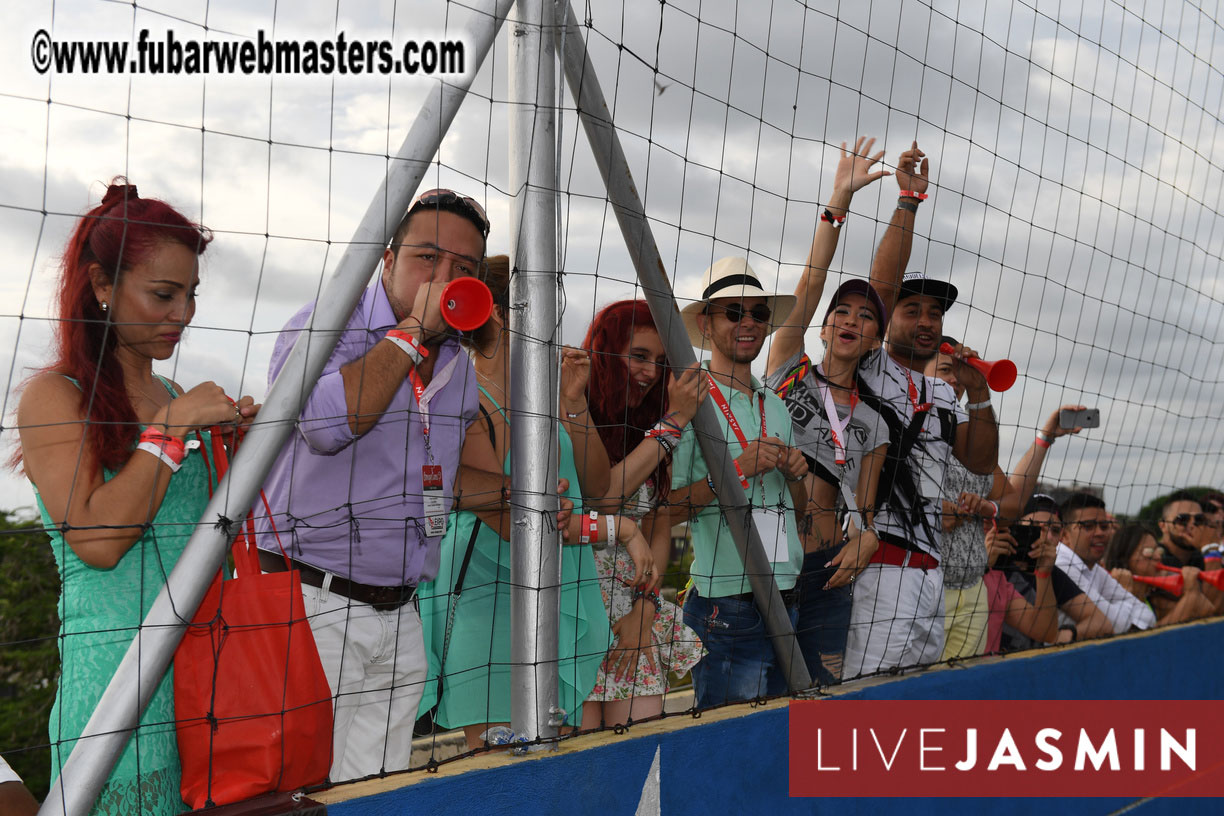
(1024, 478)
(893, 254)
(854, 171)
(977, 441)
(590, 456)
(684, 394)
(371, 381)
(1038, 620)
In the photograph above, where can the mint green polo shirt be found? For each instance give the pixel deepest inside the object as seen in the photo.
(717, 569)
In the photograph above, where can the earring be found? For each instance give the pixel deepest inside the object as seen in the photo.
(104, 306)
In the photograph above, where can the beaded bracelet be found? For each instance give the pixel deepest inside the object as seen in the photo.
(651, 596)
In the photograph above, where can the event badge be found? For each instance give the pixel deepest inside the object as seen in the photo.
(771, 527)
(433, 500)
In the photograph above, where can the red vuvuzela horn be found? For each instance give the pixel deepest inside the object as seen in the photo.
(1000, 375)
(1215, 578)
(1170, 583)
(466, 304)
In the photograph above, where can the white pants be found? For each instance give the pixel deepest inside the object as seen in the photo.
(376, 666)
(896, 619)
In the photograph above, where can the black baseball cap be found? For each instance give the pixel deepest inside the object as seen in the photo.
(916, 284)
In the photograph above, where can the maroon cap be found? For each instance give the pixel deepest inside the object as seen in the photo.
(858, 286)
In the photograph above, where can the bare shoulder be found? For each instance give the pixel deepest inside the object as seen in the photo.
(49, 398)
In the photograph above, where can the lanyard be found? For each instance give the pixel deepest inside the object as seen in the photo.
(837, 426)
(725, 407)
(918, 407)
(418, 391)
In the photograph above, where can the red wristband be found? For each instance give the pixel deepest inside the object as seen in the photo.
(829, 218)
(407, 343)
(1040, 574)
(175, 448)
(912, 194)
(1041, 442)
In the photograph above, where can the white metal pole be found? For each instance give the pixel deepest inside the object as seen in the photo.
(631, 215)
(149, 656)
(535, 545)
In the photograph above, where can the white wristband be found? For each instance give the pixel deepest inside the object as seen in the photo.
(413, 353)
(149, 447)
(611, 528)
(977, 406)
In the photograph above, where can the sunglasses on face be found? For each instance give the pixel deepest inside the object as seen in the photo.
(736, 312)
(449, 198)
(1151, 552)
(1185, 519)
(1104, 525)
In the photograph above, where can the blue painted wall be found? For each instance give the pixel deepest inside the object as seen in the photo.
(739, 766)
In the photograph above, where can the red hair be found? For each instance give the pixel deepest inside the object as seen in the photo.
(112, 237)
(620, 426)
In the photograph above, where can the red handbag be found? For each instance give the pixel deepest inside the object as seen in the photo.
(253, 709)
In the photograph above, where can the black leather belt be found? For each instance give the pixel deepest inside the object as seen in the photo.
(382, 598)
(789, 597)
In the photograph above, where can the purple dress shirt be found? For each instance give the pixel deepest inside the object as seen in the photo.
(352, 504)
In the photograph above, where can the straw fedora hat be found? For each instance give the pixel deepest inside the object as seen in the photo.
(733, 278)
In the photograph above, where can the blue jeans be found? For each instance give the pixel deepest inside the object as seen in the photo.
(824, 618)
(740, 663)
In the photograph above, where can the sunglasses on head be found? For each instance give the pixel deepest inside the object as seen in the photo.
(1184, 519)
(449, 198)
(736, 312)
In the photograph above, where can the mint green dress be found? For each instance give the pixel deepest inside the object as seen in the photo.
(476, 685)
(100, 612)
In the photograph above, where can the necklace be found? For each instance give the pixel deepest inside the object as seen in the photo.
(146, 395)
(490, 381)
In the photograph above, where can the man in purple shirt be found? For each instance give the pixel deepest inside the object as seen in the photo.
(361, 493)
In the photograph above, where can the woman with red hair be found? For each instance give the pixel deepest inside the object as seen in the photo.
(629, 396)
(109, 449)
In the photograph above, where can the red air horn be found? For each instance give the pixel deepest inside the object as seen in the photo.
(1169, 583)
(1215, 577)
(1000, 375)
(466, 304)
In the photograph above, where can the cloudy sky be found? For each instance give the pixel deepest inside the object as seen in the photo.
(1077, 157)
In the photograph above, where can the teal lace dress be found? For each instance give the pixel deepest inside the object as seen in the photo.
(101, 611)
(476, 684)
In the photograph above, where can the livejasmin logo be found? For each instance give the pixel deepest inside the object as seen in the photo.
(1007, 748)
(1006, 753)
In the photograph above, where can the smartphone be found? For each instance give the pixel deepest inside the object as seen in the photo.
(1087, 418)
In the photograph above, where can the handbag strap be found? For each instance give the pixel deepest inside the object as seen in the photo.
(245, 553)
(463, 568)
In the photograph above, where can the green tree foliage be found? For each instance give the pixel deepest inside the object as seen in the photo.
(29, 660)
(1151, 511)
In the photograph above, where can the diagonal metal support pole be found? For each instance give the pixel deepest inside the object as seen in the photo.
(149, 656)
(631, 215)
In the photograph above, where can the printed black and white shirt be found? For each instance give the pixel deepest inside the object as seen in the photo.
(920, 445)
(865, 431)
